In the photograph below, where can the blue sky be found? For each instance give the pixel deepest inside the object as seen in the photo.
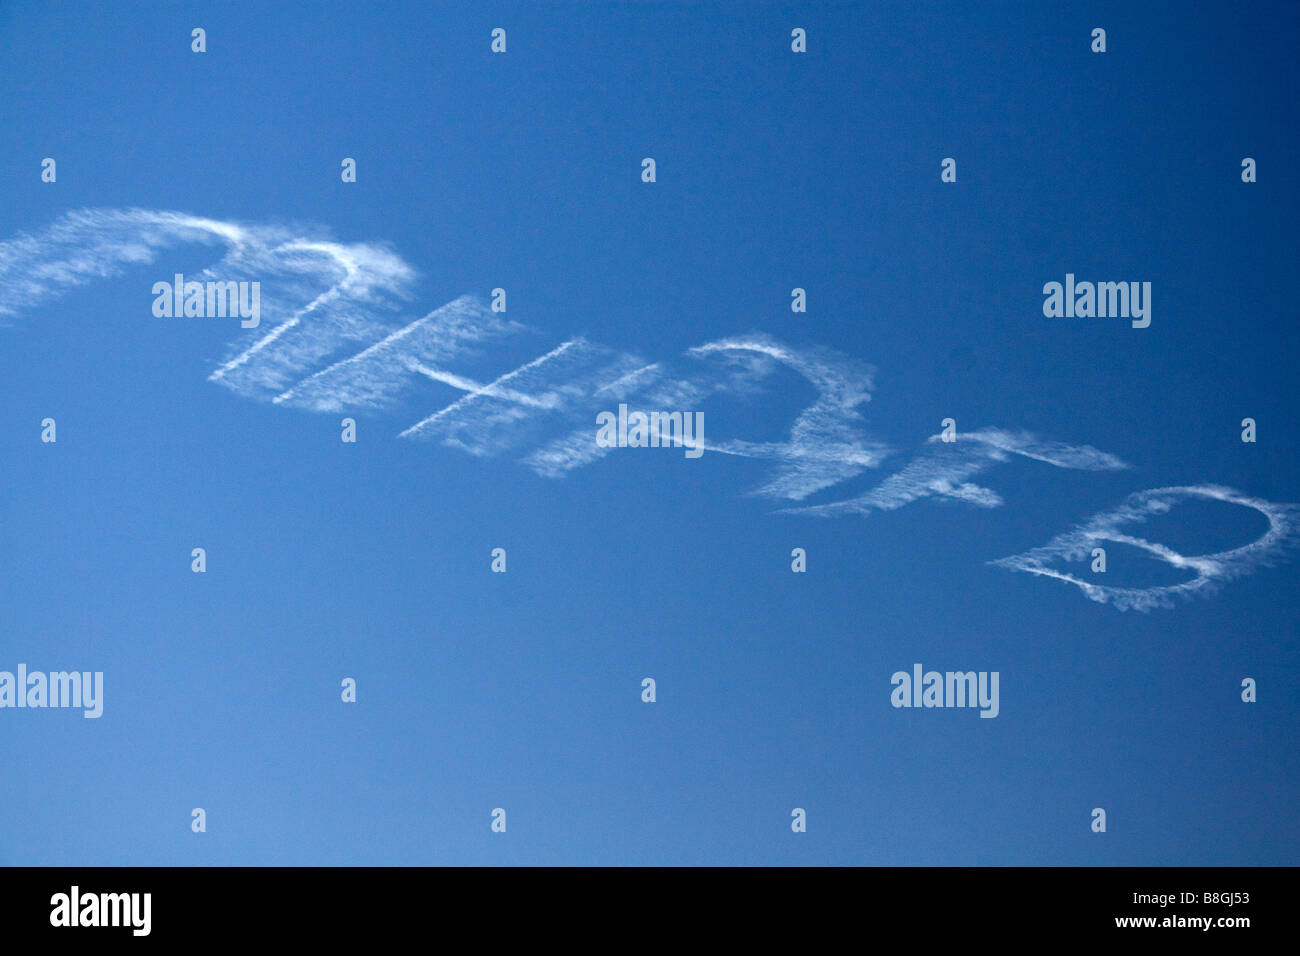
(522, 171)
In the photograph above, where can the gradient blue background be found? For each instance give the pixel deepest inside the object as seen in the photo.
(522, 690)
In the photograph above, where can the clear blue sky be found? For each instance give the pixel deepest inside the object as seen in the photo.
(774, 170)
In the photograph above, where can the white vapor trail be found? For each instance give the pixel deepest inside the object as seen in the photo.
(1209, 570)
(347, 287)
(944, 470)
(335, 341)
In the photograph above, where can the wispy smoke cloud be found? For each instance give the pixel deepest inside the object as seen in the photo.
(945, 468)
(1208, 570)
(827, 444)
(373, 377)
(320, 296)
(335, 342)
